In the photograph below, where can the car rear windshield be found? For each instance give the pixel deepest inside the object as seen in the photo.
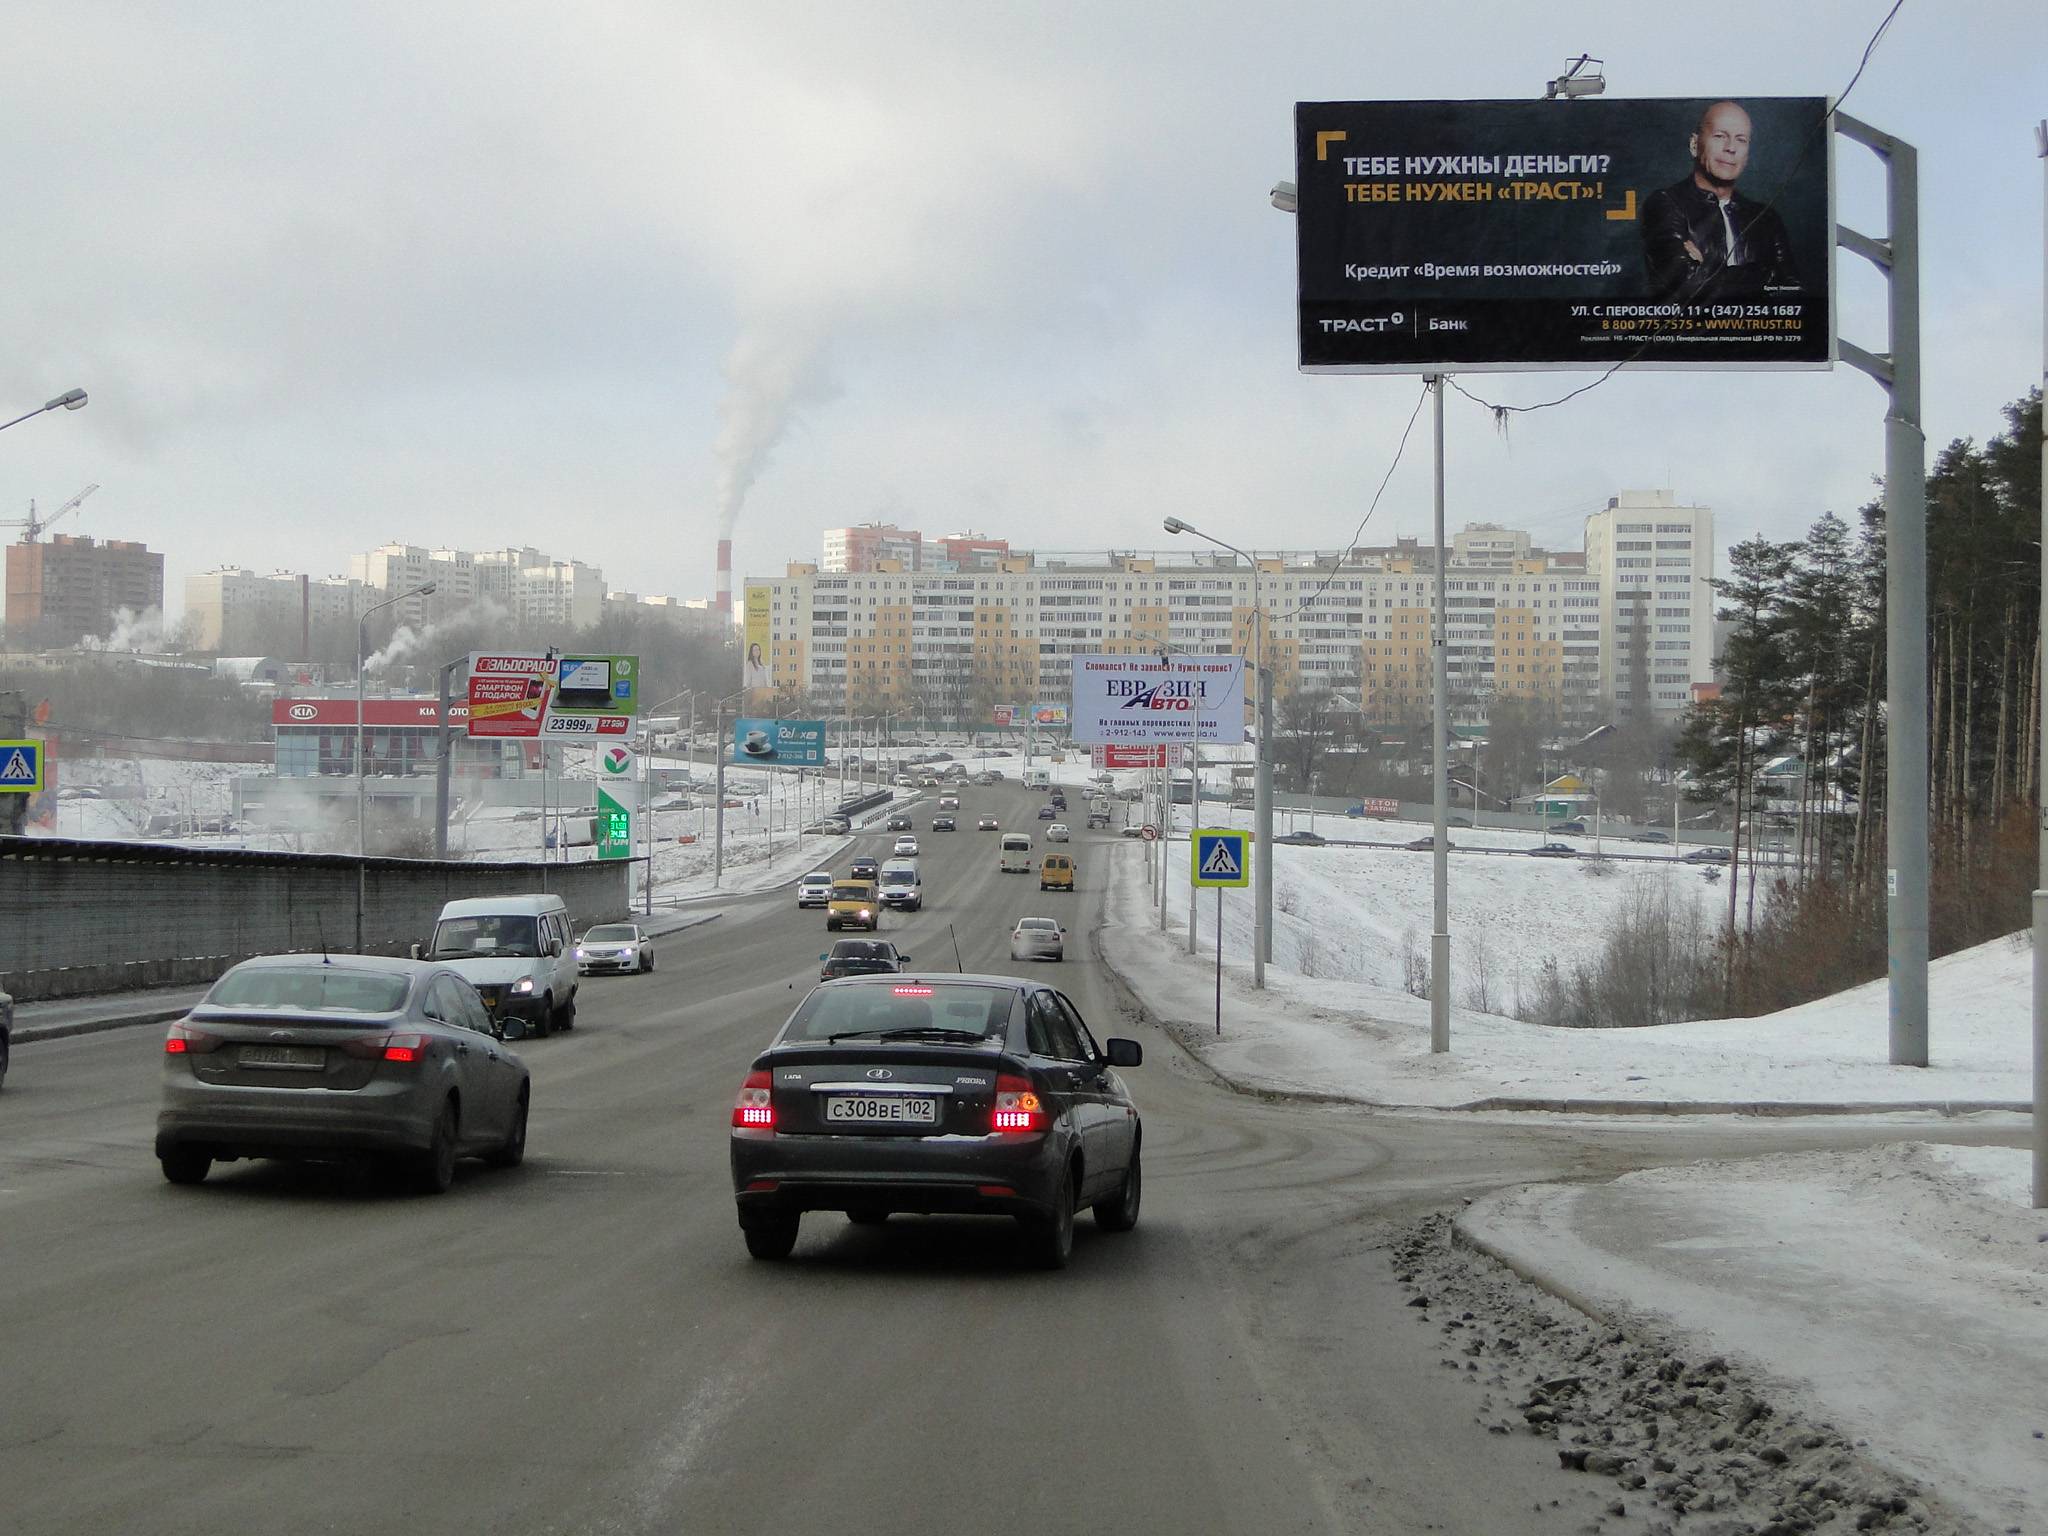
(861, 1009)
(863, 949)
(312, 988)
(467, 938)
(606, 931)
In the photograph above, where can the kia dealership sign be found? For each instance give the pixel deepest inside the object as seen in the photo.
(1145, 701)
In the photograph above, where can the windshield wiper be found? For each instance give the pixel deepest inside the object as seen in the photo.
(923, 1032)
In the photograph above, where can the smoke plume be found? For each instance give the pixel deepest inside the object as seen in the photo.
(770, 378)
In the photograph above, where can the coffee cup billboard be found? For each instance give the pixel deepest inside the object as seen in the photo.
(785, 743)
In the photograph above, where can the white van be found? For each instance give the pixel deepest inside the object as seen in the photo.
(899, 885)
(1016, 854)
(1038, 778)
(519, 952)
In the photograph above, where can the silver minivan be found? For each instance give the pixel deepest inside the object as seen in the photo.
(519, 952)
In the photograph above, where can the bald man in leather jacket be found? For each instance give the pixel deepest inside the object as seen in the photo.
(1701, 239)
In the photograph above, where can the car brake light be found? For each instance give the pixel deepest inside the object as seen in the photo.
(1018, 1106)
(911, 991)
(184, 1040)
(406, 1049)
(754, 1108)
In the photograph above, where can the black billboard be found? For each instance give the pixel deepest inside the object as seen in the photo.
(1477, 236)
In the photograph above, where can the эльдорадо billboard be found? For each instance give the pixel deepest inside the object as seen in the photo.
(1474, 236)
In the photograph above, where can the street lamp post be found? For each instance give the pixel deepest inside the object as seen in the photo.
(362, 796)
(1262, 800)
(70, 400)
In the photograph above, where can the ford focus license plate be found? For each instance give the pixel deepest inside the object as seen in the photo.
(882, 1109)
(282, 1056)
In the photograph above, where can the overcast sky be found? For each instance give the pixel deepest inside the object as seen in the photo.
(493, 273)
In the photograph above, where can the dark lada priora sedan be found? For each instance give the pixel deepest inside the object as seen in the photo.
(981, 1095)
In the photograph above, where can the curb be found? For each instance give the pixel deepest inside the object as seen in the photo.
(29, 1034)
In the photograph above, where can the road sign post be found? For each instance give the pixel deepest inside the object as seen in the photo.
(21, 767)
(1218, 857)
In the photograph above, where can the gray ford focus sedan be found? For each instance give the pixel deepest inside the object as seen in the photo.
(303, 1056)
(982, 1095)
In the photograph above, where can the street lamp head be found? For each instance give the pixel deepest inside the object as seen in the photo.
(1285, 196)
(1175, 525)
(428, 589)
(71, 400)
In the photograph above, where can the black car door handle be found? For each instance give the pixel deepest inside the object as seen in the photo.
(461, 1048)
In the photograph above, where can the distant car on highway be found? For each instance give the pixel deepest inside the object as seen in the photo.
(943, 824)
(969, 1095)
(1572, 828)
(815, 889)
(864, 867)
(1710, 856)
(853, 905)
(615, 947)
(830, 826)
(1058, 833)
(949, 802)
(986, 824)
(899, 823)
(1038, 938)
(1046, 813)
(906, 847)
(1651, 836)
(1428, 844)
(1301, 840)
(339, 1057)
(860, 957)
(1554, 851)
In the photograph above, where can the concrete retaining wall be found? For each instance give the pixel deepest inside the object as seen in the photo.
(79, 917)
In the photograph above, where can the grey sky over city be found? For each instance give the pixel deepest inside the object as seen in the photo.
(589, 277)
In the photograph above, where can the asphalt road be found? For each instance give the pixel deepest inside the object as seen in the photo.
(582, 1344)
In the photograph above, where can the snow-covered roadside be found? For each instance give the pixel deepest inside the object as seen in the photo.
(1368, 1041)
(1901, 1289)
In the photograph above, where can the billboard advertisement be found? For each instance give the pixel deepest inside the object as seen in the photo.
(1127, 757)
(1128, 701)
(1054, 715)
(534, 695)
(787, 743)
(757, 671)
(1003, 714)
(1475, 236)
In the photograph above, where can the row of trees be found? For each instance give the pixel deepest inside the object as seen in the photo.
(1804, 666)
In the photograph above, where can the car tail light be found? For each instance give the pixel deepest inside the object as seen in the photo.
(184, 1040)
(1018, 1106)
(754, 1108)
(405, 1049)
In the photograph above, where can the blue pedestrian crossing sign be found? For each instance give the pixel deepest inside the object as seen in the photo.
(21, 767)
(1222, 856)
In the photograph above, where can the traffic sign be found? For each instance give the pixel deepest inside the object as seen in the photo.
(1149, 833)
(1221, 856)
(21, 767)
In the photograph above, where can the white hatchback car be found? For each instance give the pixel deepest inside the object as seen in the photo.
(906, 847)
(1057, 833)
(1038, 938)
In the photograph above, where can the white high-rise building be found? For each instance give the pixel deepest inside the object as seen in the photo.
(1652, 560)
(237, 611)
(526, 583)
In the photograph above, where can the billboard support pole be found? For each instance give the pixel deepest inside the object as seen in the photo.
(1905, 517)
(718, 820)
(1194, 821)
(1439, 687)
(2041, 797)
(443, 769)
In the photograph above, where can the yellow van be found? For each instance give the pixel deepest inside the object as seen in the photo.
(853, 905)
(1056, 872)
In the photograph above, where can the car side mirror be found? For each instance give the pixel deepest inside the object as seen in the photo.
(497, 1029)
(903, 959)
(554, 948)
(414, 951)
(1124, 1053)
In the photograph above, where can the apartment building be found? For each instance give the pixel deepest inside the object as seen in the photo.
(65, 588)
(238, 612)
(526, 583)
(865, 548)
(692, 614)
(1358, 625)
(1653, 561)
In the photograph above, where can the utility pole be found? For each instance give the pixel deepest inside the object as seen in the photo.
(1440, 936)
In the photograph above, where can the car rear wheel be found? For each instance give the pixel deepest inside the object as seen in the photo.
(770, 1236)
(1119, 1213)
(434, 1172)
(186, 1165)
(1052, 1236)
(513, 1152)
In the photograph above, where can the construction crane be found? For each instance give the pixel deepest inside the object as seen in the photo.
(32, 526)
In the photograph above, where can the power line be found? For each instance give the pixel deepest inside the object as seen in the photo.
(1359, 532)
